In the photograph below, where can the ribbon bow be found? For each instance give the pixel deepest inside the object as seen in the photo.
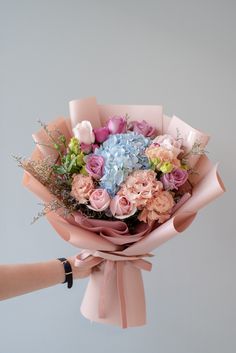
(111, 262)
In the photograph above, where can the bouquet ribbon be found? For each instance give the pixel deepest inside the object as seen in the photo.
(114, 261)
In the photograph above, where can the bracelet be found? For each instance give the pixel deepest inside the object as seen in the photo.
(68, 272)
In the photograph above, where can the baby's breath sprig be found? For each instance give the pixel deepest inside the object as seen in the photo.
(53, 205)
(40, 169)
(196, 149)
(178, 135)
(58, 142)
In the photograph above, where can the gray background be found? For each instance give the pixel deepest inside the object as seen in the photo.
(180, 54)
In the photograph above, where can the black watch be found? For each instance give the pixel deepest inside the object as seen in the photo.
(68, 271)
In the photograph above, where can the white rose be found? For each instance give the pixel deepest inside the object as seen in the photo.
(84, 132)
(169, 143)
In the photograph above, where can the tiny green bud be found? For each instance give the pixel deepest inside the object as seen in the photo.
(184, 166)
(83, 170)
(80, 159)
(62, 139)
(56, 146)
(74, 145)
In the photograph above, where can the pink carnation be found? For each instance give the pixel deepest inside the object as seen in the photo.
(140, 186)
(82, 187)
(158, 208)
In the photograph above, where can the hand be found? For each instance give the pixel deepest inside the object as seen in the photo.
(85, 269)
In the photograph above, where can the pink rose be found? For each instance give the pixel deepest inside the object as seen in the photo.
(99, 200)
(117, 125)
(174, 179)
(142, 127)
(85, 148)
(121, 207)
(84, 132)
(82, 187)
(101, 134)
(169, 143)
(94, 165)
(94, 146)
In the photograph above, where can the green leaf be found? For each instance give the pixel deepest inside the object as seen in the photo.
(59, 169)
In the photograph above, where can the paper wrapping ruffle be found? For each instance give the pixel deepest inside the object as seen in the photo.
(207, 186)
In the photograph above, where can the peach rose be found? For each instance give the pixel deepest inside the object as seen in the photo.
(121, 207)
(155, 152)
(82, 187)
(99, 200)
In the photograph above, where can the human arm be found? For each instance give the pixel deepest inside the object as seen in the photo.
(18, 279)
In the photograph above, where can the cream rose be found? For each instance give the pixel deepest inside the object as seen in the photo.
(84, 132)
(168, 142)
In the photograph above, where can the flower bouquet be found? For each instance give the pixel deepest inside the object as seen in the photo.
(117, 181)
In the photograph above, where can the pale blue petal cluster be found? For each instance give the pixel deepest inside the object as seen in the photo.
(122, 153)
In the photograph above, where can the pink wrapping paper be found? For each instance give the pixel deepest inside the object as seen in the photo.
(115, 293)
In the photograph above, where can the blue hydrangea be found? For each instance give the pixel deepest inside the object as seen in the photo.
(122, 153)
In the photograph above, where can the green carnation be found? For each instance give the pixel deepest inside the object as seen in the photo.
(166, 167)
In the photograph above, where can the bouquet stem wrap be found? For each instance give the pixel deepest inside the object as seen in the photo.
(118, 269)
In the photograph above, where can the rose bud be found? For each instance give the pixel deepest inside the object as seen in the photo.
(117, 125)
(101, 134)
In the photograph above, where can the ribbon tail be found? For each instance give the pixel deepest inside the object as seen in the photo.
(121, 292)
(109, 265)
(143, 264)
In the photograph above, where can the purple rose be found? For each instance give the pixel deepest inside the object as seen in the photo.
(174, 179)
(94, 166)
(101, 134)
(117, 125)
(143, 128)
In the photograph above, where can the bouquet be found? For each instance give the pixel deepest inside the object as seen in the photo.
(117, 181)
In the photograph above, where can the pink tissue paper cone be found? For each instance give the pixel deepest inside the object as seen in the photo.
(115, 293)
